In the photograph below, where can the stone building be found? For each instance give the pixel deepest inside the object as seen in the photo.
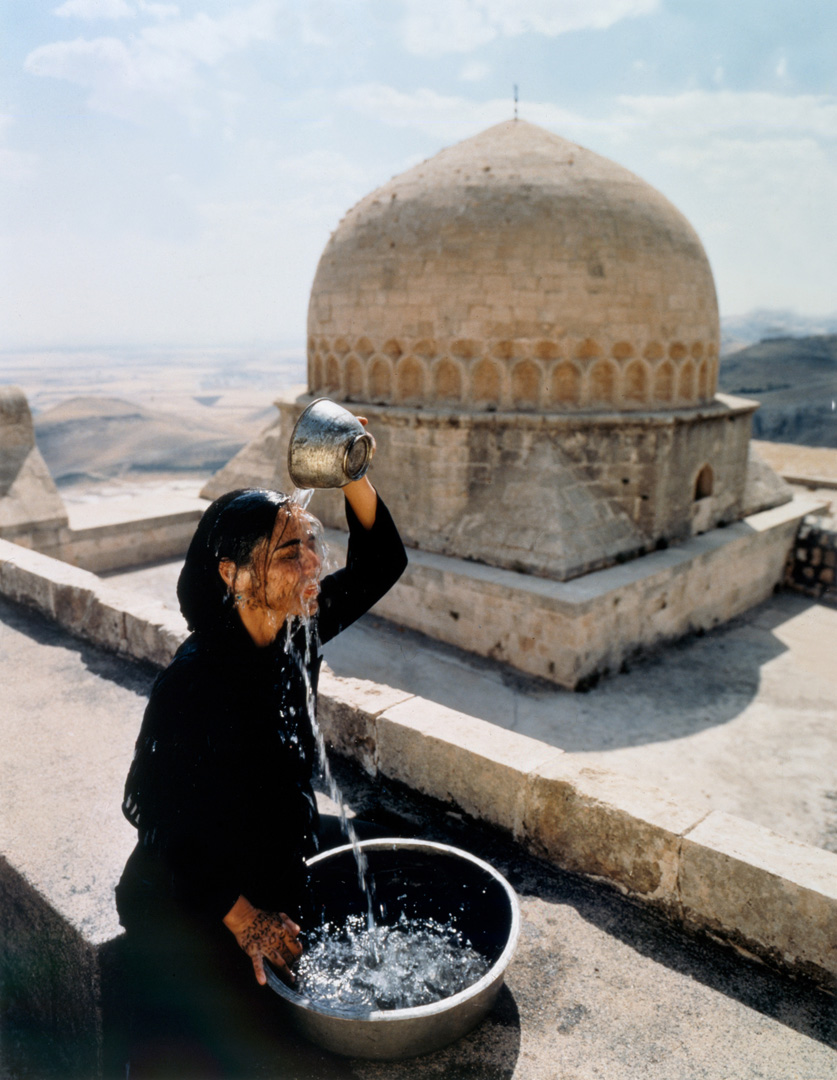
(533, 333)
(32, 513)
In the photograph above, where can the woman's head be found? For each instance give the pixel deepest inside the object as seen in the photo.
(253, 548)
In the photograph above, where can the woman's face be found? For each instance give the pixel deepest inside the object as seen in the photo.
(283, 578)
(293, 561)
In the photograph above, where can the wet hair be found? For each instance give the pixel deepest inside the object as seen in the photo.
(232, 527)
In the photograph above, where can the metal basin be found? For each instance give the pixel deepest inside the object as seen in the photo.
(422, 880)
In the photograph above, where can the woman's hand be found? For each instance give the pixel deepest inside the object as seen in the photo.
(264, 935)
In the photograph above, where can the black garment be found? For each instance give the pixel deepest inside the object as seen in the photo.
(220, 793)
(220, 786)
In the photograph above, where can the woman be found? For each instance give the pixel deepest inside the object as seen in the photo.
(220, 789)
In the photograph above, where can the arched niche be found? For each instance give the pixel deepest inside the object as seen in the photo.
(409, 381)
(664, 382)
(486, 382)
(686, 382)
(703, 380)
(602, 382)
(526, 385)
(636, 380)
(333, 378)
(354, 379)
(565, 384)
(316, 370)
(380, 381)
(447, 381)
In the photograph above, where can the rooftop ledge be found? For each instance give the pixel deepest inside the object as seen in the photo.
(703, 870)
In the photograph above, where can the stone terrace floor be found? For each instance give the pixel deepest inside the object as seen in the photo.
(599, 987)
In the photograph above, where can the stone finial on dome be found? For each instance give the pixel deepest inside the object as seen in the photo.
(515, 271)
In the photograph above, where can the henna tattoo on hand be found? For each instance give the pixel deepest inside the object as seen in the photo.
(268, 936)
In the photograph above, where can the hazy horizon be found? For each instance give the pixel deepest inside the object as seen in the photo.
(773, 321)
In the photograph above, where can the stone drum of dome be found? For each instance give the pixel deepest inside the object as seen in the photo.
(515, 271)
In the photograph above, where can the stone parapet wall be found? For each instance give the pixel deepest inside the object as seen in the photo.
(812, 565)
(115, 546)
(122, 544)
(85, 605)
(703, 869)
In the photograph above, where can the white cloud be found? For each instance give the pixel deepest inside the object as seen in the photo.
(116, 74)
(698, 112)
(95, 9)
(160, 62)
(208, 40)
(431, 27)
(474, 71)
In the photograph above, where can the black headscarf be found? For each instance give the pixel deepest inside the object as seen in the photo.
(230, 528)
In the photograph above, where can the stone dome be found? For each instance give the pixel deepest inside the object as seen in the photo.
(515, 271)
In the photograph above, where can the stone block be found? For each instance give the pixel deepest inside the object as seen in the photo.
(773, 896)
(347, 710)
(600, 823)
(152, 632)
(459, 759)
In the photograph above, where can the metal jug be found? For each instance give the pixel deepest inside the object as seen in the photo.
(329, 447)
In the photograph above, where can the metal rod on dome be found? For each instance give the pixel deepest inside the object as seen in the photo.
(515, 101)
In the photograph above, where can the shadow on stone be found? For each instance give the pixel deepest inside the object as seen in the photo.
(795, 1002)
(123, 671)
(49, 1023)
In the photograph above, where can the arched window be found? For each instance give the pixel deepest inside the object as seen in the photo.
(704, 483)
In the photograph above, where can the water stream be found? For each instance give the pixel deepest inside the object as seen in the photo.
(301, 497)
(365, 881)
(361, 964)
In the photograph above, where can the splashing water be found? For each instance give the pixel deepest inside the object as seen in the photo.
(414, 962)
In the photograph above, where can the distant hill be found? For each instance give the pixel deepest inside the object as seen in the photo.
(795, 379)
(738, 331)
(101, 437)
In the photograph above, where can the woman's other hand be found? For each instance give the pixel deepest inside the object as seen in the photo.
(265, 935)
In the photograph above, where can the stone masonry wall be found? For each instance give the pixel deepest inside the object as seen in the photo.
(556, 496)
(812, 565)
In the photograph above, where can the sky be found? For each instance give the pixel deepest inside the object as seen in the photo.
(171, 171)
